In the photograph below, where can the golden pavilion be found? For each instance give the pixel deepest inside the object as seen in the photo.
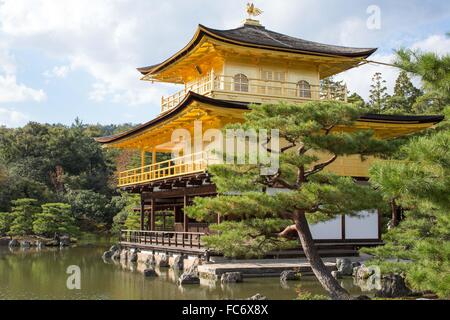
(221, 72)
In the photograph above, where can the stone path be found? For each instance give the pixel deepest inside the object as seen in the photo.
(265, 268)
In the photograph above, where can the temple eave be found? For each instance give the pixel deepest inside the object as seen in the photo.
(394, 125)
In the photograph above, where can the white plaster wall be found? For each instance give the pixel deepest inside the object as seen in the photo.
(327, 230)
(252, 70)
(365, 226)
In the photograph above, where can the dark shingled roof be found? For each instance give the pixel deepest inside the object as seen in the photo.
(260, 37)
(192, 96)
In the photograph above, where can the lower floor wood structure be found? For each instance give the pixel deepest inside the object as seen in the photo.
(165, 226)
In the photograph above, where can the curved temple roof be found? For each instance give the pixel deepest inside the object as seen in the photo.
(191, 96)
(260, 37)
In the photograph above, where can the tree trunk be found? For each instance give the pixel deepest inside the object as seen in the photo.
(394, 213)
(323, 274)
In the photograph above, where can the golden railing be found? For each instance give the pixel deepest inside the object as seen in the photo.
(256, 87)
(192, 163)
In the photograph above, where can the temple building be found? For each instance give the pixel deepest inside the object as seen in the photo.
(221, 72)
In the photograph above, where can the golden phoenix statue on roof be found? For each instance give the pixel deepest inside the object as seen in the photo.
(252, 10)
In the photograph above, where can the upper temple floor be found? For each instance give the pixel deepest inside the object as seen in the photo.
(253, 64)
(220, 73)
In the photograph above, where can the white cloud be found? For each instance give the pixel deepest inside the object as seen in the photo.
(359, 79)
(439, 44)
(102, 38)
(7, 63)
(57, 72)
(12, 118)
(11, 91)
(109, 39)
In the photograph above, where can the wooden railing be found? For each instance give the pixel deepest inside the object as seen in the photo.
(192, 163)
(191, 240)
(256, 87)
(202, 86)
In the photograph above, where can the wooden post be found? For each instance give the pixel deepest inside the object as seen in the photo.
(152, 215)
(142, 212)
(343, 227)
(185, 217)
(142, 163)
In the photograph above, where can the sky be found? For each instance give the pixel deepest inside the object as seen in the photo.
(63, 59)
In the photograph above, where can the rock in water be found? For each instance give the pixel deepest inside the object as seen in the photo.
(393, 286)
(14, 243)
(124, 255)
(107, 254)
(178, 263)
(150, 261)
(114, 248)
(150, 272)
(289, 275)
(362, 272)
(132, 256)
(231, 277)
(52, 243)
(116, 255)
(64, 241)
(344, 266)
(188, 278)
(257, 297)
(25, 244)
(163, 261)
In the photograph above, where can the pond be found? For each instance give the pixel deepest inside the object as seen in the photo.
(41, 274)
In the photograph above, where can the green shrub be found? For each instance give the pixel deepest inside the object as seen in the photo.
(55, 218)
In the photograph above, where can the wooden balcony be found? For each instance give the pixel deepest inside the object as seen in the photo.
(254, 90)
(189, 164)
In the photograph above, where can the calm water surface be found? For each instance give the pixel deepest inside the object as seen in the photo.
(41, 274)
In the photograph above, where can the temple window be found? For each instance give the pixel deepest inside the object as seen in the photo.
(240, 82)
(304, 89)
(272, 81)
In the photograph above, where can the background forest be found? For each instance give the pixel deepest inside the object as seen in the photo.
(43, 163)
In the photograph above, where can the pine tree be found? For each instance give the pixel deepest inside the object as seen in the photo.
(405, 96)
(256, 221)
(332, 89)
(357, 100)
(23, 213)
(420, 245)
(6, 219)
(378, 93)
(55, 218)
(434, 70)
